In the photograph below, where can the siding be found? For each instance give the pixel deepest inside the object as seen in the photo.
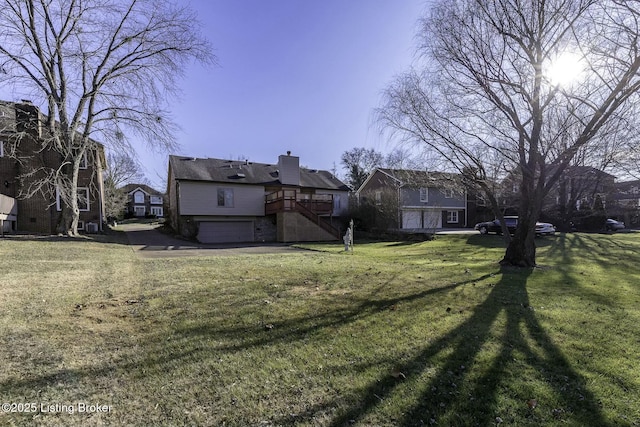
(344, 201)
(201, 198)
(411, 197)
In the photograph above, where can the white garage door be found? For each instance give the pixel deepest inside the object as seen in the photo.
(411, 219)
(225, 231)
(432, 219)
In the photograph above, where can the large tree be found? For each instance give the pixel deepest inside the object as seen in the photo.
(103, 69)
(492, 92)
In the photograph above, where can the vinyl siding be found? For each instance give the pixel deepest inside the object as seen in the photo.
(201, 198)
(436, 198)
(344, 201)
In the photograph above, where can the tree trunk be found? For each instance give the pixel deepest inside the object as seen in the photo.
(68, 222)
(521, 251)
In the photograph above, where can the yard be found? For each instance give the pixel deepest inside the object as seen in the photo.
(430, 333)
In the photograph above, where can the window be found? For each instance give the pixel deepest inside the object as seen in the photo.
(156, 200)
(448, 193)
(80, 225)
(424, 194)
(156, 210)
(1, 148)
(138, 197)
(452, 217)
(83, 199)
(139, 210)
(225, 197)
(83, 161)
(378, 197)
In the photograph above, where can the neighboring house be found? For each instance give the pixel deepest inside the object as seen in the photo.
(423, 200)
(625, 203)
(143, 200)
(23, 160)
(218, 200)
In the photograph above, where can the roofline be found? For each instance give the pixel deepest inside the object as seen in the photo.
(366, 181)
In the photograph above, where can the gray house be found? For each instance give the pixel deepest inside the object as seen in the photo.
(217, 200)
(423, 200)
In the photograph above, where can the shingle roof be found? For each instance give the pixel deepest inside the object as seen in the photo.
(130, 187)
(244, 172)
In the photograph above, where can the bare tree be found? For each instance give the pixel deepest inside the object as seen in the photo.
(103, 69)
(487, 96)
(121, 169)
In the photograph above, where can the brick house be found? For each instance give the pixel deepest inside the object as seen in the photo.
(23, 160)
(143, 200)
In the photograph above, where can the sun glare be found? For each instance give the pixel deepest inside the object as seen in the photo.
(565, 69)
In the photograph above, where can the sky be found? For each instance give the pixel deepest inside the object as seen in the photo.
(292, 75)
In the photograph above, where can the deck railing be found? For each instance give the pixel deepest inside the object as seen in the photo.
(311, 206)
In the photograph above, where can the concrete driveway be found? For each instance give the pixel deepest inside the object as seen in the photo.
(148, 242)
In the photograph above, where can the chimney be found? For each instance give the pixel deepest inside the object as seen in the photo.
(28, 118)
(289, 169)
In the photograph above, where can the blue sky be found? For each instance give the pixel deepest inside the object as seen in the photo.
(298, 75)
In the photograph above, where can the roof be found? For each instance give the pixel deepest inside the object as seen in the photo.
(129, 188)
(245, 172)
(415, 178)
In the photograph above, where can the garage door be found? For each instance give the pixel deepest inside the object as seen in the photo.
(432, 219)
(225, 231)
(411, 219)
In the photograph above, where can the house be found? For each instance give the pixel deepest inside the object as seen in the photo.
(142, 201)
(625, 202)
(421, 199)
(217, 200)
(23, 161)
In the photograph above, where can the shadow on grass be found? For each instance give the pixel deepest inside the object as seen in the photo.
(441, 401)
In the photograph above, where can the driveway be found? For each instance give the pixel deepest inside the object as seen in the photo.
(148, 242)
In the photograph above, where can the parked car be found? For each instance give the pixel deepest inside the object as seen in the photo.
(542, 228)
(494, 226)
(613, 225)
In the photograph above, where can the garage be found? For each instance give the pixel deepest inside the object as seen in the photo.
(411, 219)
(225, 231)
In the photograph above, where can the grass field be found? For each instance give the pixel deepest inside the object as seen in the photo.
(430, 333)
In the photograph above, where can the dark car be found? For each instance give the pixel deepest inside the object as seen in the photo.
(542, 228)
(494, 226)
(613, 225)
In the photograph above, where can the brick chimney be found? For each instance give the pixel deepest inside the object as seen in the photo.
(289, 169)
(28, 118)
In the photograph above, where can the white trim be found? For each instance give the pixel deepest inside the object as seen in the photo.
(151, 201)
(366, 181)
(1, 148)
(88, 197)
(453, 217)
(135, 197)
(157, 211)
(80, 225)
(424, 190)
(139, 188)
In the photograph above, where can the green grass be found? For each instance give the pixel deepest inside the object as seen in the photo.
(428, 333)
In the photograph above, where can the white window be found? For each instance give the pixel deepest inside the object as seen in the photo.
(424, 194)
(378, 196)
(225, 197)
(80, 225)
(156, 210)
(138, 197)
(156, 200)
(452, 217)
(1, 148)
(139, 210)
(83, 199)
(448, 193)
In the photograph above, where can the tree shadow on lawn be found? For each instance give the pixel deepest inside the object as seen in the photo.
(441, 400)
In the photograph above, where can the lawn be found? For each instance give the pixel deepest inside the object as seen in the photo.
(430, 333)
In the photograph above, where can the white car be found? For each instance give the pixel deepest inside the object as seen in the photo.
(545, 229)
